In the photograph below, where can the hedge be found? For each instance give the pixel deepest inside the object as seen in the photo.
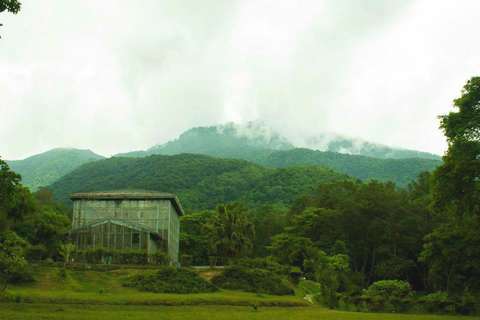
(252, 280)
(100, 255)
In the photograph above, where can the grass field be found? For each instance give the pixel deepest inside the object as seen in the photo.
(104, 288)
(27, 311)
(100, 295)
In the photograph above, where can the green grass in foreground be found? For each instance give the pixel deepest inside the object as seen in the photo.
(104, 288)
(29, 311)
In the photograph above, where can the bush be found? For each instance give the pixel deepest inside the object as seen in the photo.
(252, 280)
(387, 296)
(435, 302)
(23, 275)
(294, 275)
(388, 289)
(170, 280)
(35, 253)
(159, 258)
(263, 263)
(100, 255)
(186, 260)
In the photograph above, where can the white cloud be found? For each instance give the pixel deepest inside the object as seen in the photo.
(114, 76)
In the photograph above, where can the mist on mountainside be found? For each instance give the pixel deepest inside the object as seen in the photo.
(232, 140)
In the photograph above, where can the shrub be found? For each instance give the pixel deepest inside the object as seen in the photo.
(294, 275)
(435, 302)
(100, 255)
(252, 280)
(25, 274)
(35, 253)
(159, 258)
(186, 260)
(170, 280)
(263, 263)
(388, 289)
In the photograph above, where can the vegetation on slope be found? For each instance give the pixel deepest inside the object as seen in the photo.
(201, 182)
(252, 280)
(170, 280)
(45, 168)
(400, 171)
(224, 141)
(257, 145)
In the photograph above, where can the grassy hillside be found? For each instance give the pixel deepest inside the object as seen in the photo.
(93, 294)
(45, 168)
(201, 182)
(94, 287)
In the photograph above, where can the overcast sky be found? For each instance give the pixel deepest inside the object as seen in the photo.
(117, 76)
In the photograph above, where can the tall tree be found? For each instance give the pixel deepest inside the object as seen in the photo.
(457, 180)
(229, 230)
(8, 182)
(452, 250)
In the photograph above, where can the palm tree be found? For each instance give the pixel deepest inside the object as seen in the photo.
(229, 230)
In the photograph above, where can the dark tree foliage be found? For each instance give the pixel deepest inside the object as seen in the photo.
(36, 218)
(229, 231)
(12, 6)
(8, 186)
(193, 240)
(452, 251)
(300, 203)
(379, 227)
(199, 181)
(270, 220)
(400, 171)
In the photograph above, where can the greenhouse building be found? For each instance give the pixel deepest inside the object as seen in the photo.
(127, 220)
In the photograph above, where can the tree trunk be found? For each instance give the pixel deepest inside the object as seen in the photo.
(371, 268)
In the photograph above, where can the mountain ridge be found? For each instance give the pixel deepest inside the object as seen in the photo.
(44, 168)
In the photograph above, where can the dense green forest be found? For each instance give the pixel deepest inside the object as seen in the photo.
(45, 168)
(201, 182)
(271, 150)
(276, 152)
(400, 171)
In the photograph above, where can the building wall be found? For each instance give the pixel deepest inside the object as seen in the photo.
(156, 214)
(112, 237)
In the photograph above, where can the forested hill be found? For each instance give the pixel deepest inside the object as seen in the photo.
(45, 168)
(400, 171)
(201, 182)
(224, 141)
(255, 139)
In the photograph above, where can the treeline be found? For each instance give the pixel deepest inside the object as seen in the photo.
(370, 244)
(200, 182)
(400, 171)
(379, 228)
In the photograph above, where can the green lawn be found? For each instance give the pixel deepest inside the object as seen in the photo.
(104, 288)
(27, 311)
(100, 295)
